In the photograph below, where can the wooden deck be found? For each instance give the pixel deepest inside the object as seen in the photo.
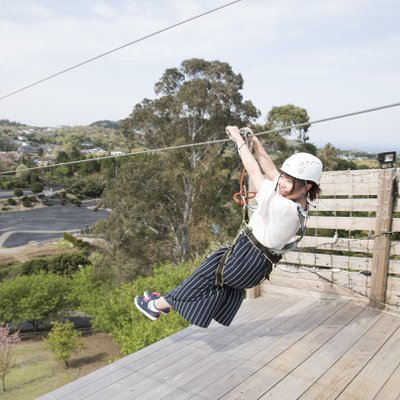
(287, 344)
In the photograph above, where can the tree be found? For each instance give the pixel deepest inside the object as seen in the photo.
(166, 202)
(63, 341)
(329, 157)
(37, 187)
(287, 116)
(7, 342)
(33, 298)
(18, 192)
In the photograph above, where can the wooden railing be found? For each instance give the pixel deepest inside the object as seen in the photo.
(350, 234)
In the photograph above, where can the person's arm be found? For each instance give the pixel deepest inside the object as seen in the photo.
(265, 161)
(249, 162)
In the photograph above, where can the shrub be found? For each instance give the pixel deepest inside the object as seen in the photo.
(37, 187)
(18, 192)
(112, 310)
(26, 202)
(11, 202)
(63, 341)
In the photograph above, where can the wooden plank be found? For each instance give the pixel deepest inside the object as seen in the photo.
(333, 261)
(309, 371)
(351, 176)
(342, 244)
(293, 355)
(349, 189)
(328, 260)
(334, 204)
(391, 388)
(320, 284)
(347, 223)
(396, 225)
(394, 248)
(393, 292)
(342, 372)
(368, 383)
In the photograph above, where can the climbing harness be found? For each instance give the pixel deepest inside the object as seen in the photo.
(272, 255)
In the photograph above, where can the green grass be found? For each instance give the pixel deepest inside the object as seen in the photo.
(35, 373)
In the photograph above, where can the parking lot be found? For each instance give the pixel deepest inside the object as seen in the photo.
(43, 224)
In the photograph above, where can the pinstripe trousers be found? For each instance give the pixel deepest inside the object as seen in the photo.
(200, 301)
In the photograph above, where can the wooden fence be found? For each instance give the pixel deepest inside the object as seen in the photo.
(353, 237)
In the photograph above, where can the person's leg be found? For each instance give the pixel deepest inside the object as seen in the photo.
(161, 303)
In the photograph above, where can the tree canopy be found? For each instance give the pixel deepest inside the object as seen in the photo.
(163, 205)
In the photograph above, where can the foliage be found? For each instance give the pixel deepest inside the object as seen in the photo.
(33, 298)
(18, 192)
(11, 202)
(112, 309)
(91, 185)
(286, 116)
(37, 187)
(77, 243)
(331, 160)
(61, 264)
(7, 342)
(63, 341)
(161, 202)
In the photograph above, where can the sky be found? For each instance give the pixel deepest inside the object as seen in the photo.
(330, 57)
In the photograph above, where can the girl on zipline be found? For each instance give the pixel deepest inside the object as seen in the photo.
(216, 289)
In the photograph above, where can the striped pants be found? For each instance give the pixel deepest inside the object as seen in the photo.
(200, 301)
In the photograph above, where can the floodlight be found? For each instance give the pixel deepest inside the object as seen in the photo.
(388, 157)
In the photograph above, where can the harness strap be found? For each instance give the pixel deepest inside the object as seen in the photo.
(273, 258)
(292, 245)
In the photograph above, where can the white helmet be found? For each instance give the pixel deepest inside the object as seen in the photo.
(303, 166)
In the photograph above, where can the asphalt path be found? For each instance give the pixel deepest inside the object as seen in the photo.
(43, 224)
(5, 194)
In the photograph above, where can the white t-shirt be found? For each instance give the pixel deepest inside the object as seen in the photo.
(276, 220)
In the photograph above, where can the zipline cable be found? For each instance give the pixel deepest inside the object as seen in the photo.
(183, 146)
(116, 49)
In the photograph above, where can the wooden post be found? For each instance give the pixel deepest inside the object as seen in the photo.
(381, 249)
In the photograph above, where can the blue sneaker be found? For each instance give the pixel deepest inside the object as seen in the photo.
(149, 295)
(143, 306)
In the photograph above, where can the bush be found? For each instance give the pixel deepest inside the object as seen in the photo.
(26, 202)
(18, 192)
(75, 241)
(11, 202)
(67, 264)
(112, 309)
(63, 264)
(37, 187)
(63, 341)
(35, 266)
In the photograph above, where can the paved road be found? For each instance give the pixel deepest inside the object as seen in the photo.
(43, 224)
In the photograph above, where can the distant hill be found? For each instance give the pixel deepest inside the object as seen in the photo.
(106, 124)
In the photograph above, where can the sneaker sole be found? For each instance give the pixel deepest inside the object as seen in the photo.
(144, 312)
